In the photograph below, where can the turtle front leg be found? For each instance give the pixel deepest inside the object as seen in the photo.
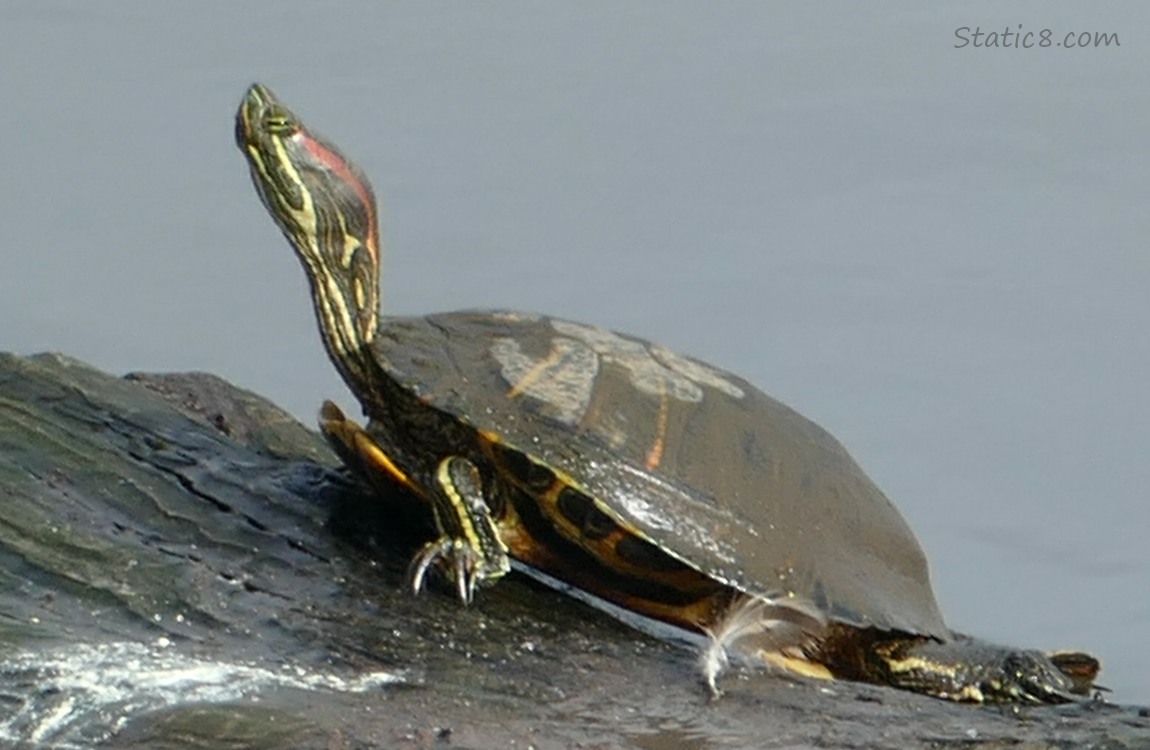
(469, 548)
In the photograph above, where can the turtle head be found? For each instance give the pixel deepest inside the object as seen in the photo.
(326, 208)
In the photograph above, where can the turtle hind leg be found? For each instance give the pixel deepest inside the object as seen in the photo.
(360, 453)
(469, 549)
(969, 670)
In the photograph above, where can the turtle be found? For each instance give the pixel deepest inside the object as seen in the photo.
(654, 481)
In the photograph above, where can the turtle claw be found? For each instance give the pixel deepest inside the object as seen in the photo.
(417, 571)
(465, 576)
(453, 554)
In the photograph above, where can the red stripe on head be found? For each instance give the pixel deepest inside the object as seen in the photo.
(342, 168)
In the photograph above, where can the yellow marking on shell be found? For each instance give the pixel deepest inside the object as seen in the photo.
(537, 371)
(631, 512)
(549, 501)
(655, 455)
(562, 479)
(549, 497)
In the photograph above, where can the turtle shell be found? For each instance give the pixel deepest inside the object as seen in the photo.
(687, 456)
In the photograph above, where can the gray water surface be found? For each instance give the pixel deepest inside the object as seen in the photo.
(937, 253)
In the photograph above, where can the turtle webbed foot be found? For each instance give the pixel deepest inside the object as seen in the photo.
(1030, 677)
(1081, 669)
(1061, 677)
(970, 670)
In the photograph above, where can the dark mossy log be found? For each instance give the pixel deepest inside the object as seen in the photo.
(183, 566)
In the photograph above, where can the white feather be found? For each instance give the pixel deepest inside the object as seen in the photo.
(754, 625)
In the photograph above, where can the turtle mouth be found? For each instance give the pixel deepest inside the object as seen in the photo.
(256, 103)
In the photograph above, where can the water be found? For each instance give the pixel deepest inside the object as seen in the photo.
(937, 253)
(89, 692)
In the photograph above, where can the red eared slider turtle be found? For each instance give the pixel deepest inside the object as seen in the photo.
(655, 481)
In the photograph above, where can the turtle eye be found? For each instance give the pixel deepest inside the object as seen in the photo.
(277, 123)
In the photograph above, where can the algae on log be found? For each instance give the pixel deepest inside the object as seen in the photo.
(182, 566)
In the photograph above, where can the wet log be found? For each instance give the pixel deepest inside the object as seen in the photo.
(183, 565)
